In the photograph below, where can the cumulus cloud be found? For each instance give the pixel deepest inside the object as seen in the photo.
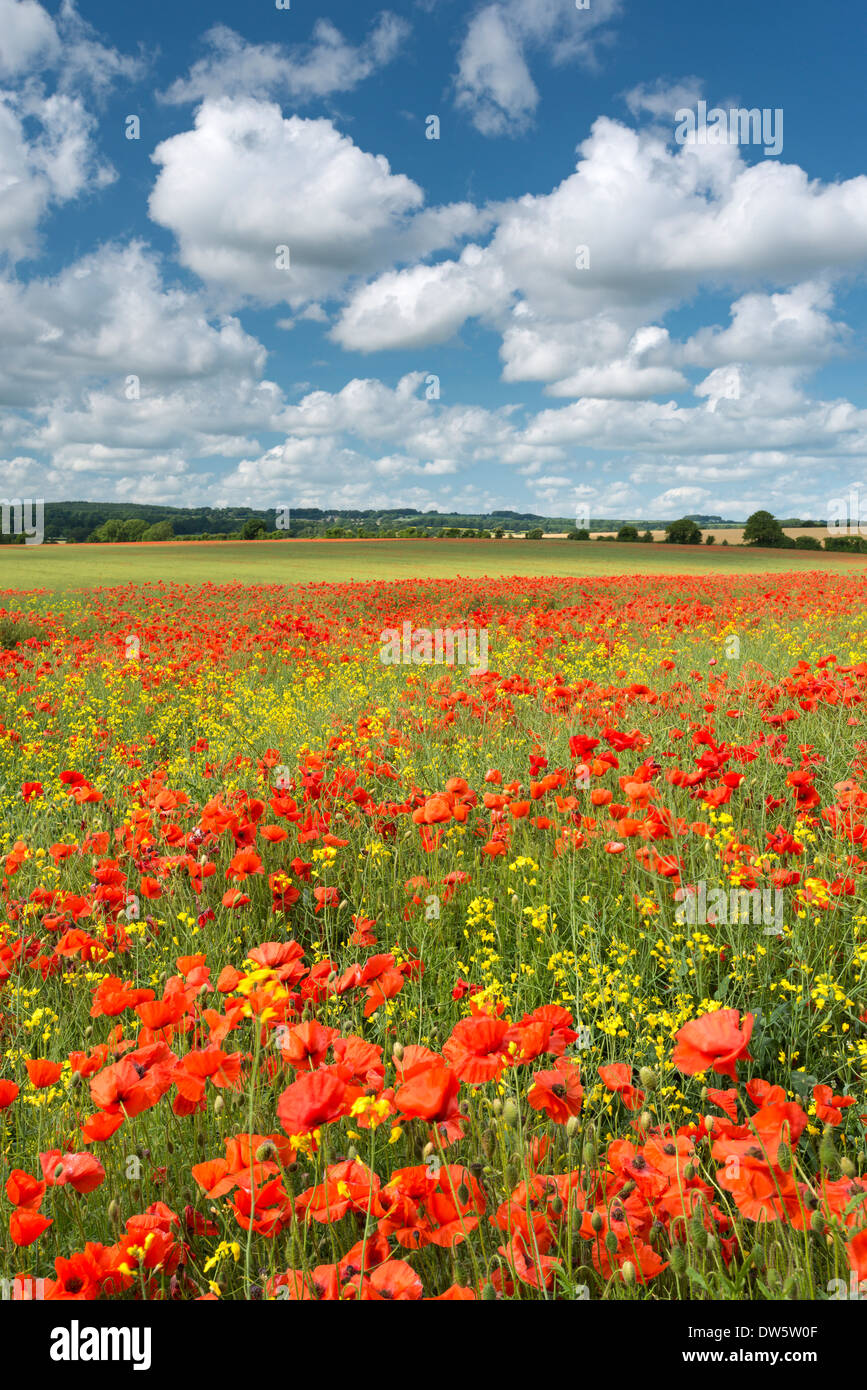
(659, 223)
(298, 72)
(296, 184)
(493, 83)
(47, 157)
(32, 41)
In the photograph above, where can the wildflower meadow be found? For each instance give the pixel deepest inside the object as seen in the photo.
(333, 969)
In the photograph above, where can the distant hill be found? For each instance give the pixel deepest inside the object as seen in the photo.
(110, 521)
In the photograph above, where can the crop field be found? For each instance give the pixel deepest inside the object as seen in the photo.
(331, 969)
(57, 567)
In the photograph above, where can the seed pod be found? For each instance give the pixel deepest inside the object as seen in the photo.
(827, 1150)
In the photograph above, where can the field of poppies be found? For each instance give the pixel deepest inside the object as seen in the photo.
(324, 976)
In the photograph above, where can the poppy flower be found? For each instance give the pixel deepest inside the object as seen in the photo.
(43, 1073)
(478, 1049)
(26, 1226)
(558, 1092)
(8, 1093)
(316, 1098)
(713, 1041)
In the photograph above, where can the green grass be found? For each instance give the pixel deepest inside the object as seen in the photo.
(60, 568)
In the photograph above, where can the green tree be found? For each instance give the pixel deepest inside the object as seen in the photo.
(628, 533)
(709, 538)
(763, 529)
(133, 529)
(683, 532)
(253, 529)
(160, 531)
(535, 535)
(647, 537)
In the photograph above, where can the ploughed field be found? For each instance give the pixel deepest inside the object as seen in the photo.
(538, 975)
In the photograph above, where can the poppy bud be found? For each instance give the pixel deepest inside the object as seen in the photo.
(489, 1293)
(114, 1213)
(677, 1259)
(219, 1105)
(352, 1153)
(817, 1222)
(847, 1168)
(645, 1119)
(267, 1152)
(397, 1052)
(510, 1112)
(627, 1189)
(489, 1143)
(497, 1107)
(827, 1151)
(648, 1078)
(463, 1194)
(557, 1207)
(628, 1272)
(75, 1081)
(58, 1171)
(711, 1242)
(573, 1125)
(611, 1243)
(513, 1172)
(689, 1172)
(784, 1158)
(596, 1222)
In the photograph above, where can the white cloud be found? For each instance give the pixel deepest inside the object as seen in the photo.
(27, 36)
(247, 181)
(660, 223)
(297, 72)
(493, 83)
(42, 169)
(31, 41)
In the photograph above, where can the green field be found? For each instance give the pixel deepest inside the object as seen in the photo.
(58, 568)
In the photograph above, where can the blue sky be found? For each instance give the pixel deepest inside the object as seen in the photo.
(430, 337)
